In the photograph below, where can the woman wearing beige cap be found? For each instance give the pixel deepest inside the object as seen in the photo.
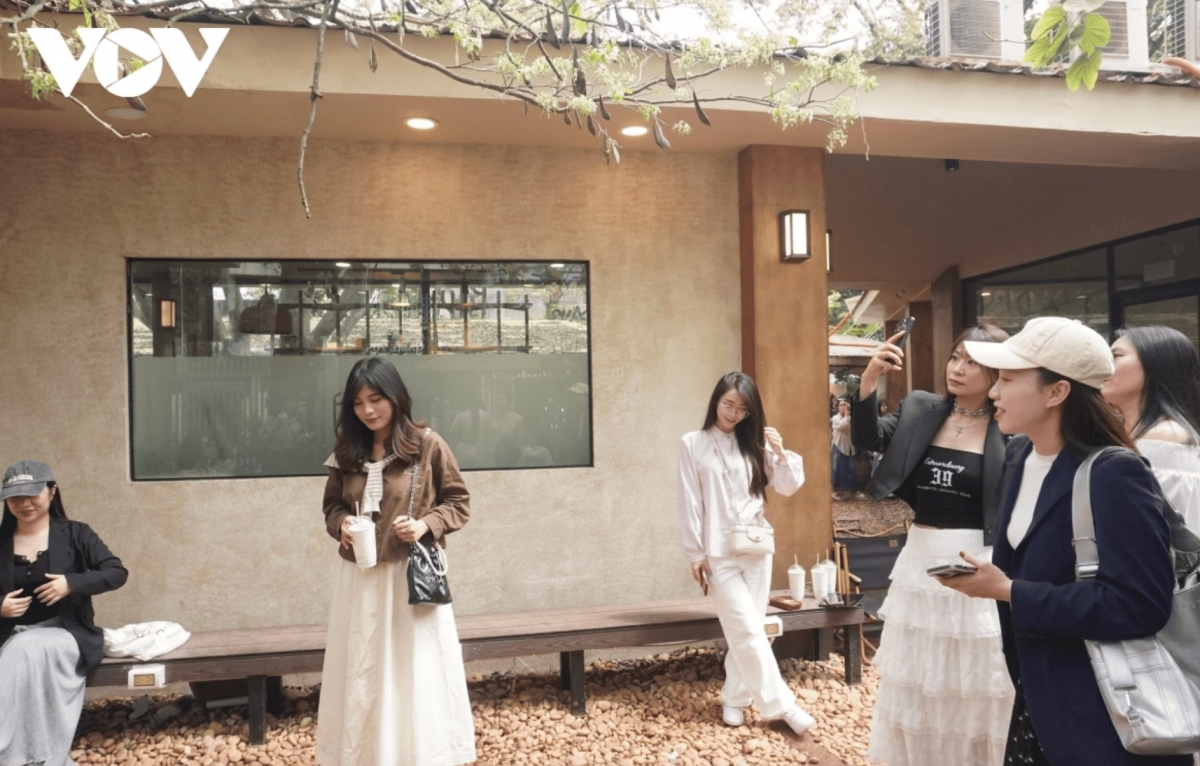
(1049, 390)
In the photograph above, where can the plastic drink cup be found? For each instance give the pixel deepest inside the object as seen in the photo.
(363, 531)
(822, 578)
(796, 577)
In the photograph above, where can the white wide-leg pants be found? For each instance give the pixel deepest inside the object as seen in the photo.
(741, 587)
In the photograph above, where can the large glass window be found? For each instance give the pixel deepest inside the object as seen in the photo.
(1075, 286)
(1158, 259)
(237, 367)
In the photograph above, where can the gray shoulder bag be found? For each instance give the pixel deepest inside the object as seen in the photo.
(1150, 685)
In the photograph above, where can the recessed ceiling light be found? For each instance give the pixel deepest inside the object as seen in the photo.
(342, 265)
(556, 265)
(985, 294)
(635, 130)
(125, 113)
(421, 123)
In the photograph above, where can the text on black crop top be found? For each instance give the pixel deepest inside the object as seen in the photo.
(947, 489)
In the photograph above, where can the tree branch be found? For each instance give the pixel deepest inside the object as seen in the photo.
(314, 93)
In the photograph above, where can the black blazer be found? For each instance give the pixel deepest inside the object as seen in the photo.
(903, 437)
(1050, 614)
(91, 569)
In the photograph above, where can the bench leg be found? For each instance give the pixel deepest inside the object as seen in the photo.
(574, 680)
(853, 654)
(824, 643)
(257, 692)
(275, 695)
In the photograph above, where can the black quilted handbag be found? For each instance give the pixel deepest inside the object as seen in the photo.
(427, 566)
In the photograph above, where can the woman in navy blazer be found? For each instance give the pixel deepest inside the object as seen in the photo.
(1049, 390)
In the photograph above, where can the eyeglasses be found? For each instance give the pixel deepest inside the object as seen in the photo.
(741, 413)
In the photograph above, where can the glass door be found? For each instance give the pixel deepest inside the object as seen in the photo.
(1181, 312)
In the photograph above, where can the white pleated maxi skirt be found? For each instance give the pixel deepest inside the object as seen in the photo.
(393, 688)
(944, 695)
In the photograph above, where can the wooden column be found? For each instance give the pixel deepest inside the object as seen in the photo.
(785, 345)
(947, 303)
(923, 369)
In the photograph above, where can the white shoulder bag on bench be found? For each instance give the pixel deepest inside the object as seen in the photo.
(1150, 685)
(747, 538)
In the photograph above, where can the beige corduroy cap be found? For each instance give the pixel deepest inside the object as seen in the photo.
(1060, 345)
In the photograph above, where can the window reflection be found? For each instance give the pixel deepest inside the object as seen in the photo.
(245, 377)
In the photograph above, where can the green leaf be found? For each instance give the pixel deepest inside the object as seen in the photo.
(1039, 54)
(1053, 16)
(1096, 33)
(1084, 71)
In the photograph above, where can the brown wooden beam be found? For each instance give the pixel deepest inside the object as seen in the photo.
(785, 345)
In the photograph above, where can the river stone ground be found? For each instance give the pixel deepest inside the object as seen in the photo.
(661, 710)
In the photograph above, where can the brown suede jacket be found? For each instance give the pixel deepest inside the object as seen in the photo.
(442, 500)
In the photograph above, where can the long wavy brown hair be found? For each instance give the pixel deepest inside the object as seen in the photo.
(354, 439)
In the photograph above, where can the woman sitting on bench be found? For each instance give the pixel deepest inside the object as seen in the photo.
(724, 472)
(49, 570)
(393, 687)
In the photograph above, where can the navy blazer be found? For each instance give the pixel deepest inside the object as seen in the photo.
(903, 437)
(90, 567)
(1050, 614)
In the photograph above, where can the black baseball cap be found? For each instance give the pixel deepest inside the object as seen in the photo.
(28, 477)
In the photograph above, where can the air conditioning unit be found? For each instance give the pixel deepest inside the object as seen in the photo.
(1128, 48)
(984, 29)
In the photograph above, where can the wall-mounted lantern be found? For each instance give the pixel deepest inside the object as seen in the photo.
(794, 241)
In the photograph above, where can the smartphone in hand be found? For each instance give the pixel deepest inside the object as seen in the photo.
(951, 570)
(905, 327)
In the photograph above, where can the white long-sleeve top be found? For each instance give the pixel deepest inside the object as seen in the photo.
(706, 515)
(1177, 468)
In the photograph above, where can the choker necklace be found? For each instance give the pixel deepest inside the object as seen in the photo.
(984, 410)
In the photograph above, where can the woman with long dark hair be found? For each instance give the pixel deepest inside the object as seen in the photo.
(1049, 391)
(1156, 389)
(724, 471)
(50, 567)
(944, 695)
(393, 689)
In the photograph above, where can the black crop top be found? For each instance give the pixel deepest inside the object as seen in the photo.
(947, 489)
(28, 575)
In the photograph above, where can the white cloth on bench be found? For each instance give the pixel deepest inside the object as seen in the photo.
(393, 688)
(144, 640)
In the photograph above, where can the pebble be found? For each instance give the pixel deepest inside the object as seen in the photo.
(660, 711)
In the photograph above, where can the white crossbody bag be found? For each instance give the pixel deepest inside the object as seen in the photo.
(747, 538)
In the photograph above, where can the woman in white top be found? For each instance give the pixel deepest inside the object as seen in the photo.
(1156, 387)
(842, 455)
(724, 472)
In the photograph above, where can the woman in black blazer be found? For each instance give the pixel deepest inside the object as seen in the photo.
(49, 570)
(1048, 389)
(944, 695)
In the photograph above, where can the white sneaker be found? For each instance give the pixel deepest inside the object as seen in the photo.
(732, 716)
(798, 720)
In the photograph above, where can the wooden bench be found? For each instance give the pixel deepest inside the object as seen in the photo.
(262, 656)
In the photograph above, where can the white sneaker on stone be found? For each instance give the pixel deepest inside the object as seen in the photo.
(798, 720)
(732, 716)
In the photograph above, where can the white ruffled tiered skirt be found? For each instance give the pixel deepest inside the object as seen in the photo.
(393, 688)
(944, 696)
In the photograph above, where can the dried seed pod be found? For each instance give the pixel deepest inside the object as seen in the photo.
(699, 112)
(659, 138)
(668, 73)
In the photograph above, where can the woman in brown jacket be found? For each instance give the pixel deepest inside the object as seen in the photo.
(393, 689)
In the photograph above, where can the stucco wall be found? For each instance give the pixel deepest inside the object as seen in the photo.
(660, 231)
